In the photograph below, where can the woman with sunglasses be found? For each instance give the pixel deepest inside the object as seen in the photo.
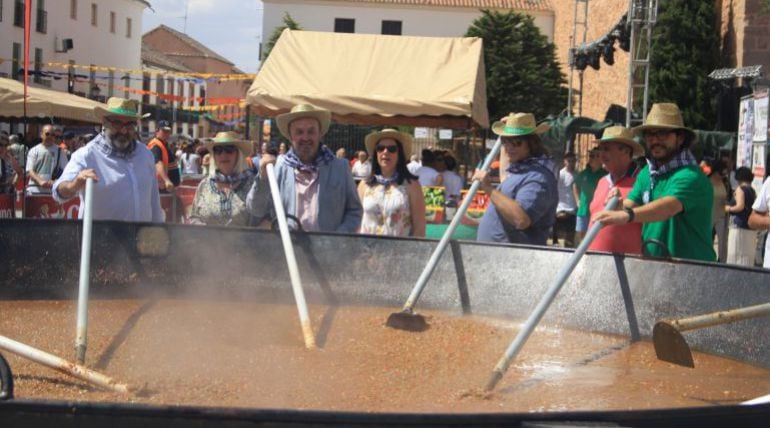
(221, 198)
(391, 196)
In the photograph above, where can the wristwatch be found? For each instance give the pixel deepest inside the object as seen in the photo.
(631, 215)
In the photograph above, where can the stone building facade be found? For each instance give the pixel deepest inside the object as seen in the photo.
(745, 35)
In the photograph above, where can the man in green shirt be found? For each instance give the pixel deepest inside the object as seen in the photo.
(671, 197)
(586, 182)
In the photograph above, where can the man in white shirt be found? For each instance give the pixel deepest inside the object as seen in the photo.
(45, 163)
(759, 219)
(427, 174)
(123, 169)
(413, 165)
(362, 169)
(566, 210)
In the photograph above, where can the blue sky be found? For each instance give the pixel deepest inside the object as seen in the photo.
(232, 28)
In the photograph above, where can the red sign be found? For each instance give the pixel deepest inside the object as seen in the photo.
(476, 209)
(44, 206)
(7, 206)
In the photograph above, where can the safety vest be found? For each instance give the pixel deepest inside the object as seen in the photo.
(155, 142)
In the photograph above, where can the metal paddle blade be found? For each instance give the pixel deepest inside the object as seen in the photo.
(407, 320)
(670, 345)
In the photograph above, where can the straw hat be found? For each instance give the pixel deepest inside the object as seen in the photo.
(120, 107)
(665, 116)
(623, 135)
(402, 137)
(518, 124)
(324, 117)
(229, 138)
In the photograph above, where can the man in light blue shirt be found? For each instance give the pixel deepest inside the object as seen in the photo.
(123, 169)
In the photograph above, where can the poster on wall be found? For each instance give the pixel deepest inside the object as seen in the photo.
(758, 165)
(434, 204)
(760, 117)
(745, 132)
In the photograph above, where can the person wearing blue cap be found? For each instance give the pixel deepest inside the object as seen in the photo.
(166, 165)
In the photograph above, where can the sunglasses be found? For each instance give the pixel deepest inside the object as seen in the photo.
(515, 142)
(389, 149)
(218, 150)
(593, 156)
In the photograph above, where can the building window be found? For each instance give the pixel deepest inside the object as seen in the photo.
(38, 63)
(94, 14)
(74, 9)
(344, 25)
(41, 17)
(392, 28)
(126, 84)
(146, 89)
(16, 63)
(111, 84)
(91, 82)
(18, 13)
(112, 22)
(71, 77)
(1, 10)
(129, 22)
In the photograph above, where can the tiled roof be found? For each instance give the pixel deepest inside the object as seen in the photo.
(152, 57)
(198, 46)
(532, 5)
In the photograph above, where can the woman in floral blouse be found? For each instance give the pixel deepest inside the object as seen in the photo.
(221, 197)
(391, 196)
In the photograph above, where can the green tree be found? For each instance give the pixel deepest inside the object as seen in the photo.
(521, 68)
(685, 49)
(288, 22)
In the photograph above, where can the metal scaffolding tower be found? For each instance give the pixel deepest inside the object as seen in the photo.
(582, 22)
(642, 15)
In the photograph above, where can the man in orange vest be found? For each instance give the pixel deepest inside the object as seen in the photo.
(166, 165)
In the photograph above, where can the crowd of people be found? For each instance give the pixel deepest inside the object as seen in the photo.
(670, 205)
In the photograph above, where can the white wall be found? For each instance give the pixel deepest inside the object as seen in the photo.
(416, 20)
(92, 45)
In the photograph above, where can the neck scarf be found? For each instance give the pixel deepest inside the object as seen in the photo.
(103, 143)
(393, 179)
(324, 156)
(233, 179)
(525, 165)
(681, 160)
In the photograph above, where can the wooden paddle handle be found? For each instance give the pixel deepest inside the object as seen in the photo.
(721, 317)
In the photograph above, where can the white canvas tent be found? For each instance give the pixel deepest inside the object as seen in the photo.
(376, 79)
(44, 103)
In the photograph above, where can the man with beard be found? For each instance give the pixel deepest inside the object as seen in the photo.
(672, 198)
(316, 187)
(123, 169)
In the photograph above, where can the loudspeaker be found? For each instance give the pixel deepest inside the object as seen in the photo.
(67, 44)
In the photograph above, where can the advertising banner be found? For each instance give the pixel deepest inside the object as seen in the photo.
(44, 206)
(7, 205)
(434, 204)
(476, 209)
(760, 117)
(745, 132)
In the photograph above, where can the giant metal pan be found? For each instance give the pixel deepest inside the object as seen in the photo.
(606, 293)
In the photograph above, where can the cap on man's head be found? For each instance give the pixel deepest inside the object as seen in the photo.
(68, 135)
(164, 125)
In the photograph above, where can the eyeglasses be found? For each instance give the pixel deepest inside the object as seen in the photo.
(389, 149)
(593, 156)
(218, 150)
(660, 133)
(47, 134)
(119, 124)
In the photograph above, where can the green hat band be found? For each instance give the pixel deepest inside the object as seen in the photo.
(224, 141)
(516, 130)
(122, 111)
